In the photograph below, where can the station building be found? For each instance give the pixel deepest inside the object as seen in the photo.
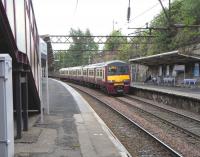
(177, 68)
(20, 40)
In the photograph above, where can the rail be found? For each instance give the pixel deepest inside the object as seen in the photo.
(135, 123)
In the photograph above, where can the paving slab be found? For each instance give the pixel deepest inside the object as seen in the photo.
(72, 129)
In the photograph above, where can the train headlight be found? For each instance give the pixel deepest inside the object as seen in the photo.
(111, 81)
(126, 81)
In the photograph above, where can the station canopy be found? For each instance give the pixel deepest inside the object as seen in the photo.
(174, 57)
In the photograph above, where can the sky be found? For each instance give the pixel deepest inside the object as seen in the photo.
(56, 17)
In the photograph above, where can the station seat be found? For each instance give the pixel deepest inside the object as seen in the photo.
(189, 81)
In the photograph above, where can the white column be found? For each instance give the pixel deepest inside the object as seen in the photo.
(6, 107)
(47, 86)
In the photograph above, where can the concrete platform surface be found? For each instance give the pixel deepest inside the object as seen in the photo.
(188, 92)
(72, 129)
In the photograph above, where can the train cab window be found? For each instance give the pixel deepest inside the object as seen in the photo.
(123, 69)
(117, 70)
(112, 70)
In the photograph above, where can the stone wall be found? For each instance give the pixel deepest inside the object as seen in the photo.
(180, 102)
(193, 50)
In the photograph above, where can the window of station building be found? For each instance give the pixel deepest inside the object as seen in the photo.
(20, 25)
(3, 2)
(160, 71)
(167, 70)
(196, 70)
(10, 14)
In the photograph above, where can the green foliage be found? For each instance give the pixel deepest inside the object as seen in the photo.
(81, 51)
(182, 12)
(124, 53)
(113, 44)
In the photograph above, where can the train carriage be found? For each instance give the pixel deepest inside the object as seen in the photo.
(112, 77)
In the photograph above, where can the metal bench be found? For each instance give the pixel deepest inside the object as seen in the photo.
(189, 81)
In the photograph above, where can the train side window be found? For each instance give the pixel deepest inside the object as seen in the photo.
(89, 72)
(100, 73)
(103, 74)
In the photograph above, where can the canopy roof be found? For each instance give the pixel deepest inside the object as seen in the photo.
(174, 57)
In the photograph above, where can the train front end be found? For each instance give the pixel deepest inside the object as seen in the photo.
(118, 78)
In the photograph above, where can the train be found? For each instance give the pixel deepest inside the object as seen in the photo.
(113, 77)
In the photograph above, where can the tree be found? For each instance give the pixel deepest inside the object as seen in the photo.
(83, 48)
(112, 43)
(182, 12)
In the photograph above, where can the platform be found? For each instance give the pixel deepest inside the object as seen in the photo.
(188, 92)
(72, 129)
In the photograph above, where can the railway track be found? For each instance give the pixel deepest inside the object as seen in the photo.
(154, 146)
(188, 124)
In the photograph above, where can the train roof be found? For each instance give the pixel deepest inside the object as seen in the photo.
(114, 61)
(63, 69)
(96, 65)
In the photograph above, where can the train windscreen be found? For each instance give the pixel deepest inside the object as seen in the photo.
(118, 70)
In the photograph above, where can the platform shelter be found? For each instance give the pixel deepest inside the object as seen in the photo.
(177, 68)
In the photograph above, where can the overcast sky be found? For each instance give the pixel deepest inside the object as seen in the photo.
(58, 16)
